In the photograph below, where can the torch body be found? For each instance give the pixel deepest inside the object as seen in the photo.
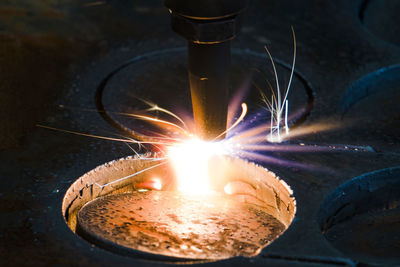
(209, 26)
(209, 86)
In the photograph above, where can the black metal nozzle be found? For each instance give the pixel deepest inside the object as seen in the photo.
(208, 25)
(209, 83)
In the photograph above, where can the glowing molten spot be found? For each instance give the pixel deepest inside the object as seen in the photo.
(190, 160)
(152, 183)
(157, 183)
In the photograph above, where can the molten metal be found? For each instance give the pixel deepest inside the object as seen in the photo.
(179, 225)
(248, 208)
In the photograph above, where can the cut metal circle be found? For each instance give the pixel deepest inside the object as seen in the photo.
(381, 17)
(370, 107)
(178, 225)
(161, 78)
(248, 208)
(361, 218)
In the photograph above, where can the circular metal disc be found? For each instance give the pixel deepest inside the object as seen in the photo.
(361, 218)
(174, 224)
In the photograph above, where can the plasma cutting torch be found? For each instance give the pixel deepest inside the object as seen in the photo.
(208, 26)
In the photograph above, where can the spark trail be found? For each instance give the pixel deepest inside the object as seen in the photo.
(278, 107)
(190, 155)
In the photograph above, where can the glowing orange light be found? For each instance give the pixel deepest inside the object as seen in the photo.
(153, 184)
(157, 183)
(228, 189)
(190, 160)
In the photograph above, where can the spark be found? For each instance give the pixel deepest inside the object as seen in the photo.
(159, 121)
(131, 175)
(190, 156)
(241, 117)
(126, 140)
(138, 115)
(89, 135)
(277, 106)
(155, 107)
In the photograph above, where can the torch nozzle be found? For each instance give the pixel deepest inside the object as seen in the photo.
(209, 26)
(209, 86)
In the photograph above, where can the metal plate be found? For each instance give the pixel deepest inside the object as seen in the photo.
(173, 224)
(361, 218)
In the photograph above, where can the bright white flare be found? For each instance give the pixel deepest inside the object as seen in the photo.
(190, 160)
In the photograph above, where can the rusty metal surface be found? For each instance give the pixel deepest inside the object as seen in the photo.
(178, 225)
(257, 208)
